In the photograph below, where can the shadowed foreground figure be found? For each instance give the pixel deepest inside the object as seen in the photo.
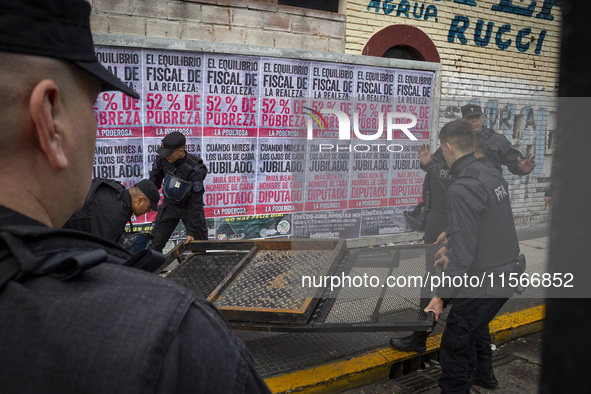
(77, 316)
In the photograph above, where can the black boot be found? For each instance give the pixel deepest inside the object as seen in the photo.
(483, 374)
(417, 342)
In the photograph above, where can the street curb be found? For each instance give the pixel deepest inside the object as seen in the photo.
(505, 328)
(375, 366)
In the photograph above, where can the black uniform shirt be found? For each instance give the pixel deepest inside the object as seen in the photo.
(111, 213)
(108, 210)
(468, 202)
(500, 151)
(466, 199)
(438, 180)
(115, 329)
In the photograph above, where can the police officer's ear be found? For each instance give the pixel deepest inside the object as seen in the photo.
(137, 200)
(45, 109)
(140, 204)
(145, 203)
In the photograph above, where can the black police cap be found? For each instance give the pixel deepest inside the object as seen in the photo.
(149, 189)
(171, 142)
(58, 29)
(470, 110)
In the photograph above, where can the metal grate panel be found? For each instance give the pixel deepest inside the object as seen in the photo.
(259, 290)
(383, 303)
(203, 272)
(265, 289)
(267, 280)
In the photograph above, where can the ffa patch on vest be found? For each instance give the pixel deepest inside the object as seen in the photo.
(500, 193)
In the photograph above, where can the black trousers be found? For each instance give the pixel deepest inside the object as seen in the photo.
(436, 223)
(168, 218)
(466, 332)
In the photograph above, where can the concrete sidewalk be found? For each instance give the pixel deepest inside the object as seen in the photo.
(342, 361)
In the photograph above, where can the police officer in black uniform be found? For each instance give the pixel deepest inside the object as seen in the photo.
(497, 147)
(108, 207)
(497, 151)
(77, 314)
(181, 176)
(436, 232)
(482, 241)
(437, 181)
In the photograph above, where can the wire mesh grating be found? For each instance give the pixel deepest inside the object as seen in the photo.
(203, 272)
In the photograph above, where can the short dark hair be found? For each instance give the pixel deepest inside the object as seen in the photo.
(459, 133)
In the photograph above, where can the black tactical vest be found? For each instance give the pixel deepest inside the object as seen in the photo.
(191, 163)
(81, 219)
(30, 251)
(440, 180)
(68, 290)
(497, 242)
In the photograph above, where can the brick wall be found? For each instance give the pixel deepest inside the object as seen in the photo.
(227, 21)
(514, 78)
(513, 75)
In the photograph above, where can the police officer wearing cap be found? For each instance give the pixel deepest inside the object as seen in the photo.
(78, 314)
(482, 242)
(497, 147)
(181, 176)
(109, 205)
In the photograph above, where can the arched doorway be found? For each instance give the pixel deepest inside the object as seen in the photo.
(402, 42)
